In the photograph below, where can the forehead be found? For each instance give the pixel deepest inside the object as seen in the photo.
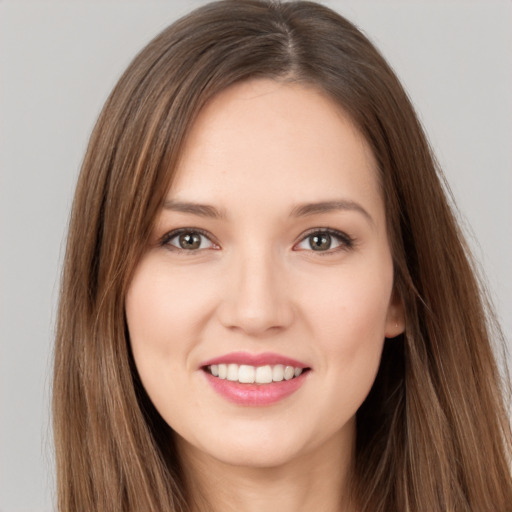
(266, 141)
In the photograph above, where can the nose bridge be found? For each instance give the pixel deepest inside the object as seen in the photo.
(256, 297)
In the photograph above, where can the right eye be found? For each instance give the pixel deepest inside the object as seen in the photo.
(188, 240)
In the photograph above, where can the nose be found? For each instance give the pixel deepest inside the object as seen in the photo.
(256, 297)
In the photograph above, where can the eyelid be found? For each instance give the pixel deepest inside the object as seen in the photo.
(346, 241)
(165, 239)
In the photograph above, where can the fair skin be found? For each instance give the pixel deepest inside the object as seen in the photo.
(291, 257)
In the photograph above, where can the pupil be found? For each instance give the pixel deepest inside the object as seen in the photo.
(190, 241)
(320, 242)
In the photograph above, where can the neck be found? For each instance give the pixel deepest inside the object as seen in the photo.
(317, 480)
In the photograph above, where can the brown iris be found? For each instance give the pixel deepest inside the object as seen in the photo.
(320, 241)
(189, 241)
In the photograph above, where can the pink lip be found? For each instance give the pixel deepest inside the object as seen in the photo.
(254, 359)
(255, 394)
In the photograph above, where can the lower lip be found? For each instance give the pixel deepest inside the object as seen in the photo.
(255, 394)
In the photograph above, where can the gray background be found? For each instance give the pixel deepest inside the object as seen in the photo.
(58, 61)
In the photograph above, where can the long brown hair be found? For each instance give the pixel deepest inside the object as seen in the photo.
(433, 434)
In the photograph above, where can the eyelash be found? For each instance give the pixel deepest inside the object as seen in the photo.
(346, 242)
(165, 241)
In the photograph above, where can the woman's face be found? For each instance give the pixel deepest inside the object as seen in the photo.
(271, 252)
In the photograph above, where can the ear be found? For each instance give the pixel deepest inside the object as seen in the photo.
(395, 319)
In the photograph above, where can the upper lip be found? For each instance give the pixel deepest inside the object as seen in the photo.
(263, 359)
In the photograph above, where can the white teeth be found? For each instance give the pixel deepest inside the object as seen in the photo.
(289, 372)
(223, 371)
(247, 374)
(232, 372)
(278, 373)
(263, 375)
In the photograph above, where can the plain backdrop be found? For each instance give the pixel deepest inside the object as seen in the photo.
(58, 62)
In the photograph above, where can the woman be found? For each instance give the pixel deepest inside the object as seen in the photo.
(266, 302)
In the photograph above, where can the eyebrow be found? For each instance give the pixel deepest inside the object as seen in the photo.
(301, 210)
(202, 210)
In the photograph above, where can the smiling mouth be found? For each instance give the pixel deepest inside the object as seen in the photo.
(247, 374)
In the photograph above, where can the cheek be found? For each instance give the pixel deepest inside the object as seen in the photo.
(156, 312)
(348, 316)
(162, 309)
(354, 300)
(166, 311)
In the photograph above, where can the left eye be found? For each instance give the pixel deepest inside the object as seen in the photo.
(323, 241)
(189, 240)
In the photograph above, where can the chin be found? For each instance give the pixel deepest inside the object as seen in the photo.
(256, 455)
(256, 446)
